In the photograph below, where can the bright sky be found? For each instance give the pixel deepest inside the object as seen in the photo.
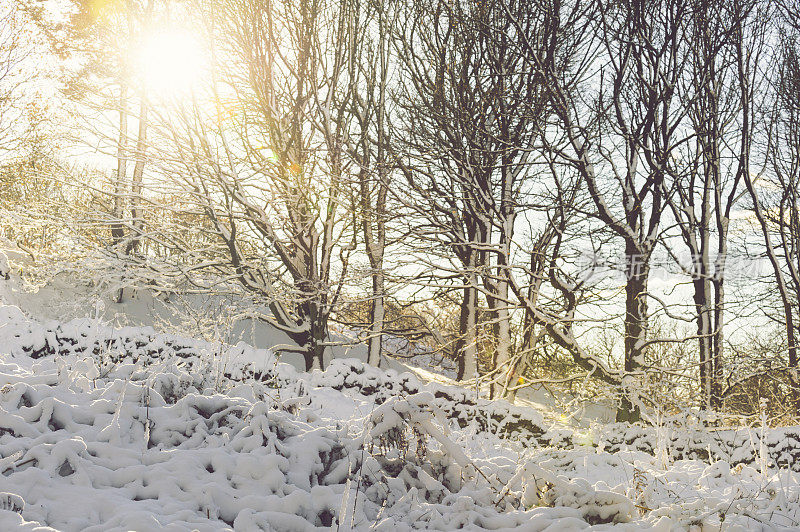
(172, 62)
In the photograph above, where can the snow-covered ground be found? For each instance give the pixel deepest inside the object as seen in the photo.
(108, 428)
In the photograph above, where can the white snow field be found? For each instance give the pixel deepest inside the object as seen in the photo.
(107, 428)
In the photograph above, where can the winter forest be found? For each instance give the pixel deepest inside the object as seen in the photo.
(293, 265)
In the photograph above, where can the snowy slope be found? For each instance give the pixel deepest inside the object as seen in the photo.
(125, 428)
(118, 429)
(70, 292)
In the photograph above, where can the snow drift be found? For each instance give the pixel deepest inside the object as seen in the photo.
(119, 429)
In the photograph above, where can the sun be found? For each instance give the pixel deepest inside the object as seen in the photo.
(171, 63)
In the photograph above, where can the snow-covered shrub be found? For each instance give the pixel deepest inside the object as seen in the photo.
(155, 438)
(143, 348)
(543, 487)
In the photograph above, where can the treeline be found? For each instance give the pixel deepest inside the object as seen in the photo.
(499, 181)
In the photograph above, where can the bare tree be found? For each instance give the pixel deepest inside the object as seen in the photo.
(704, 187)
(102, 40)
(20, 116)
(620, 138)
(776, 205)
(267, 166)
(472, 115)
(366, 141)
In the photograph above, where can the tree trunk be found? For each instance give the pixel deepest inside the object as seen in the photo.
(316, 338)
(467, 348)
(638, 271)
(702, 296)
(316, 353)
(377, 315)
(504, 344)
(375, 243)
(120, 186)
(717, 344)
(794, 374)
(138, 174)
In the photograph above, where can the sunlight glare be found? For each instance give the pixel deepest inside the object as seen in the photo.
(171, 63)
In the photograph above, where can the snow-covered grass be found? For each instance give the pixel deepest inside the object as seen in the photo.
(129, 429)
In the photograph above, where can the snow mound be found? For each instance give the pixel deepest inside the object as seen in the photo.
(120, 429)
(146, 451)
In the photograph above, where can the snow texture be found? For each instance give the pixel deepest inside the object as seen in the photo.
(129, 429)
